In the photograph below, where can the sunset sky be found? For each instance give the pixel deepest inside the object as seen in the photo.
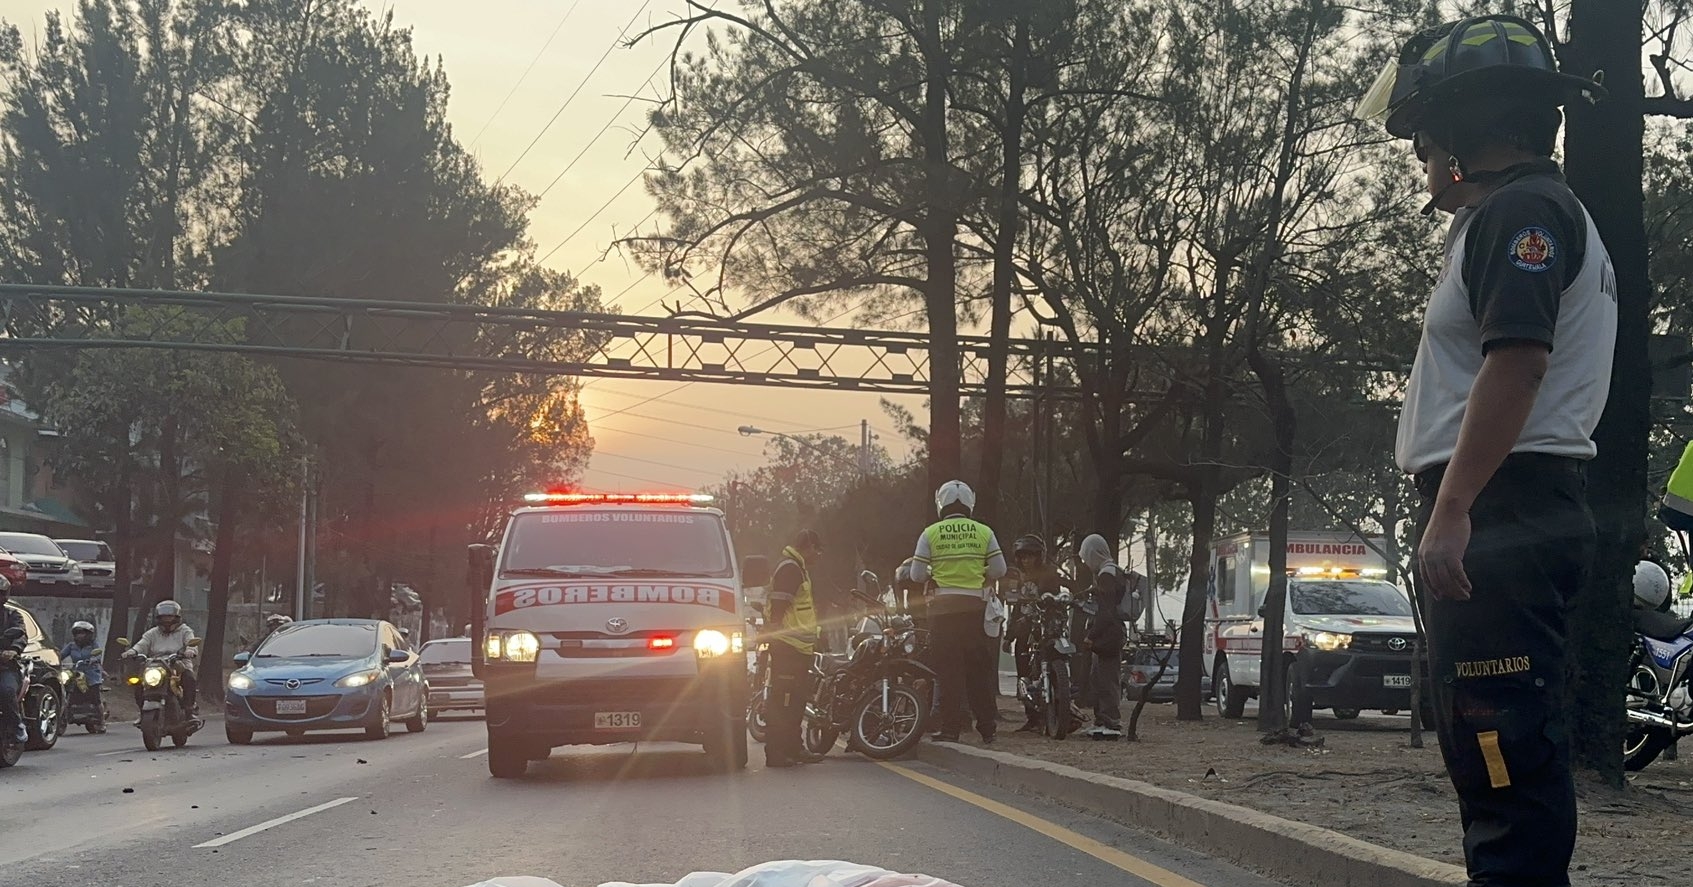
(649, 434)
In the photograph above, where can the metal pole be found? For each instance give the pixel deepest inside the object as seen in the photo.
(864, 447)
(300, 575)
(1151, 545)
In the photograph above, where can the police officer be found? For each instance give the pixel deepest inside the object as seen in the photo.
(1509, 381)
(793, 613)
(963, 557)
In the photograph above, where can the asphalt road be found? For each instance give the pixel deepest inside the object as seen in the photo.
(422, 810)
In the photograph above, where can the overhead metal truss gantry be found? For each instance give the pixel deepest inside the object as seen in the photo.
(470, 337)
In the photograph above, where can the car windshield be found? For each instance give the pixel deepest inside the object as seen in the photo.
(29, 543)
(320, 640)
(1361, 597)
(87, 552)
(445, 653)
(599, 542)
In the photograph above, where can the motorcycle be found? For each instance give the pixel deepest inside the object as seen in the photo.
(163, 712)
(38, 704)
(1660, 692)
(878, 694)
(1049, 692)
(758, 678)
(85, 703)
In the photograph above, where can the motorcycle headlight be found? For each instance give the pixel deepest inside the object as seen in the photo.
(710, 643)
(910, 645)
(153, 676)
(513, 646)
(359, 679)
(239, 681)
(65, 675)
(1324, 640)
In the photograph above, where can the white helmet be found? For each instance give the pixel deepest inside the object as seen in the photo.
(82, 625)
(954, 492)
(1651, 585)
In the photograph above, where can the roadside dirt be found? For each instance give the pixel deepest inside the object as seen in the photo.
(1366, 781)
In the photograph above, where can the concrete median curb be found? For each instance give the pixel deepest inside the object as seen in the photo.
(1287, 851)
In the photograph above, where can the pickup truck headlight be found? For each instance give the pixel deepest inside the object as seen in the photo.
(512, 646)
(1329, 641)
(709, 643)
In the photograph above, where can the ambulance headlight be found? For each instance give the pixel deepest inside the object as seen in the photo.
(513, 646)
(710, 643)
(1329, 641)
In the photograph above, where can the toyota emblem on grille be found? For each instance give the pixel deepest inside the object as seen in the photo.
(617, 626)
(1397, 644)
(293, 684)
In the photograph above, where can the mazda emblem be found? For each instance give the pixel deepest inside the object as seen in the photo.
(1397, 644)
(617, 626)
(293, 684)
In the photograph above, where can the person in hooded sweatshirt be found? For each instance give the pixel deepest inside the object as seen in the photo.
(1105, 638)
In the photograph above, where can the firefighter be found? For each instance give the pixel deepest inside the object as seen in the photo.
(1509, 380)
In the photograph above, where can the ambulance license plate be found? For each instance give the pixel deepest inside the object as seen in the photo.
(1396, 680)
(290, 706)
(617, 720)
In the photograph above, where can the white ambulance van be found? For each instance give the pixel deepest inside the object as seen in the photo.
(608, 619)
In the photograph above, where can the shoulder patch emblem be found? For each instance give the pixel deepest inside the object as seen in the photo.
(1533, 249)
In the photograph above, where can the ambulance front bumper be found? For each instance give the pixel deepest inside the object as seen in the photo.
(604, 709)
(1347, 679)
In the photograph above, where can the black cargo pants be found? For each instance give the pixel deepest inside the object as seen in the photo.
(784, 710)
(1497, 664)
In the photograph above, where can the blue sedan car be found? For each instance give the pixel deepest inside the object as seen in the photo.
(327, 674)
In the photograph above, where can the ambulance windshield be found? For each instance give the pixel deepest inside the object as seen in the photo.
(614, 542)
(1348, 597)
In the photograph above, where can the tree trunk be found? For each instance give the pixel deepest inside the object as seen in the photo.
(123, 548)
(1010, 191)
(1603, 147)
(1272, 680)
(168, 512)
(940, 231)
(1191, 665)
(217, 595)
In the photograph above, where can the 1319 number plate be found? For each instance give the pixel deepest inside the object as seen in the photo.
(617, 720)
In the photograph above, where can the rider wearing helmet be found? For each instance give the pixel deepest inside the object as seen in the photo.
(1032, 577)
(962, 557)
(170, 635)
(1651, 586)
(1509, 381)
(272, 622)
(79, 653)
(11, 672)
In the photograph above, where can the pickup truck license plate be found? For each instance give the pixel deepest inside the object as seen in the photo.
(1396, 680)
(617, 720)
(290, 706)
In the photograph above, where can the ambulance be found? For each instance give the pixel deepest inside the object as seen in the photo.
(608, 619)
(1348, 634)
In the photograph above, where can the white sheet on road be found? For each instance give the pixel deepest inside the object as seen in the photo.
(782, 873)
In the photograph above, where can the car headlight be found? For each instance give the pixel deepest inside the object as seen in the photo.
(239, 681)
(153, 676)
(359, 679)
(1324, 640)
(710, 643)
(513, 646)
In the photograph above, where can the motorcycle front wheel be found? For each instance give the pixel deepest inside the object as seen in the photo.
(1641, 745)
(757, 728)
(888, 725)
(817, 738)
(152, 729)
(1058, 698)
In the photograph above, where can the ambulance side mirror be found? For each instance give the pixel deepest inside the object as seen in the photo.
(755, 571)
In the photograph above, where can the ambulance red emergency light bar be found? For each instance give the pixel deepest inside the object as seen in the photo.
(618, 498)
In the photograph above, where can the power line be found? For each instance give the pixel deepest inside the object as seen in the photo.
(659, 464)
(672, 440)
(590, 220)
(603, 130)
(525, 75)
(647, 480)
(568, 99)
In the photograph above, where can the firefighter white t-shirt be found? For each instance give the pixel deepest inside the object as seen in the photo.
(1526, 264)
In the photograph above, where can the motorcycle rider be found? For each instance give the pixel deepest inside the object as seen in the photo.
(79, 653)
(11, 671)
(963, 557)
(169, 635)
(1105, 638)
(275, 621)
(1034, 577)
(793, 616)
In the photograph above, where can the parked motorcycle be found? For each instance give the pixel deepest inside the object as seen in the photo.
(164, 712)
(1660, 694)
(758, 678)
(879, 693)
(85, 703)
(1049, 691)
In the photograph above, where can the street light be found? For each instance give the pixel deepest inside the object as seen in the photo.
(863, 462)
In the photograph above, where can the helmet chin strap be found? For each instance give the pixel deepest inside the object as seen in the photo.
(1461, 176)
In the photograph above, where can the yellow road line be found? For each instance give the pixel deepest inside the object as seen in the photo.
(1105, 853)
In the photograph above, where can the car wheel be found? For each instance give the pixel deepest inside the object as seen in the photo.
(507, 757)
(42, 711)
(1346, 714)
(1298, 698)
(1231, 700)
(419, 722)
(380, 726)
(237, 735)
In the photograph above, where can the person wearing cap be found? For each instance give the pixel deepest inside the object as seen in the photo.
(962, 556)
(793, 613)
(1510, 377)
